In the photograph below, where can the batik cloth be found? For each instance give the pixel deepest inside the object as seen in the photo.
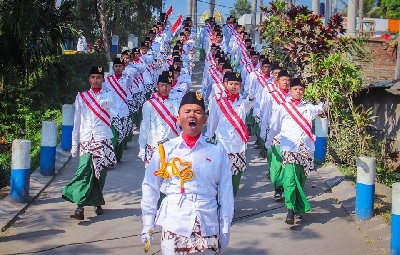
(238, 162)
(148, 154)
(195, 243)
(102, 153)
(302, 157)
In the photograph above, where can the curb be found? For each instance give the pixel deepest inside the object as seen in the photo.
(375, 229)
(11, 211)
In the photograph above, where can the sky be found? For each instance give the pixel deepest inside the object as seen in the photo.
(180, 6)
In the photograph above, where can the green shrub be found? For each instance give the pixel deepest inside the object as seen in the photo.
(25, 106)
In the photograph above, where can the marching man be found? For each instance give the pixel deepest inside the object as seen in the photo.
(122, 124)
(159, 118)
(91, 136)
(195, 175)
(293, 121)
(227, 115)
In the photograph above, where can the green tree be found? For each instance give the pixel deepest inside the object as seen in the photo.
(123, 17)
(240, 8)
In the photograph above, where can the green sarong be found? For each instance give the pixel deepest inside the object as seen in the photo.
(85, 189)
(275, 170)
(294, 178)
(235, 182)
(118, 149)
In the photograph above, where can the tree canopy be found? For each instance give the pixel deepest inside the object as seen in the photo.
(240, 8)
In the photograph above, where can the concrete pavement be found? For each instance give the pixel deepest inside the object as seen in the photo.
(258, 225)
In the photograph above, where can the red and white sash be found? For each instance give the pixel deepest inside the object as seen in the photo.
(216, 77)
(299, 119)
(164, 112)
(95, 107)
(262, 80)
(220, 88)
(233, 117)
(118, 88)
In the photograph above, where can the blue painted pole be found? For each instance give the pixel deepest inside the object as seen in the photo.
(395, 232)
(20, 170)
(48, 148)
(365, 187)
(321, 142)
(68, 111)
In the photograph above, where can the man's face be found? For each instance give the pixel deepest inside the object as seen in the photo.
(247, 44)
(96, 80)
(266, 69)
(219, 39)
(284, 82)
(246, 36)
(182, 38)
(233, 87)
(191, 118)
(135, 55)
(118, 68)
(176, 75)
(220, 65)
(297, 92)
(164, 88)
(178, 64)
(125, 59)
(213, 49)
(152, 36)
(254, 59)
(275, 74)
(144, 50)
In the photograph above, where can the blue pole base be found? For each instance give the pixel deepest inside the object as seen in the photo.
(66, 137)
(19, 185)
(47, 160)
(364, 201)
(114, 48)
(395, 235)
(320, 149)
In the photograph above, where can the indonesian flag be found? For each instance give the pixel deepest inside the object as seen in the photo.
(176, 25)
(169, 11)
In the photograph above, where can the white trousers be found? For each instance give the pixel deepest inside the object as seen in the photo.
(167, 248)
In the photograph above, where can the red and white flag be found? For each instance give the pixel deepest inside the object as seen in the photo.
(176, 25)
(169, 11)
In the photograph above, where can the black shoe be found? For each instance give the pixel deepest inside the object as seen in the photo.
(290, 217)
(79, 213)
(118, 161)
(298, 216)
(278, 194)
(269, 176)
(262, 155)
(98, 210)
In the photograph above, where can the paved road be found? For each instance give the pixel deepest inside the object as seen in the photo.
(258, 226)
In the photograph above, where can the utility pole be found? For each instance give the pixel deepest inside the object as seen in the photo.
(360, 16)
(212, 6)
(328, 11)
(261, 14)
(315, 7)
(190, 8)
(351, 18)
(335, 6)
(397, 73)
(194, 13)
(253, 18)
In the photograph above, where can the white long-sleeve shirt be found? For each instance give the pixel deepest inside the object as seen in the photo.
(212, 176)
(292, 135)
(219, 124)
(268, 105)
(120, 106)
(87, 124)
(153, 128)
